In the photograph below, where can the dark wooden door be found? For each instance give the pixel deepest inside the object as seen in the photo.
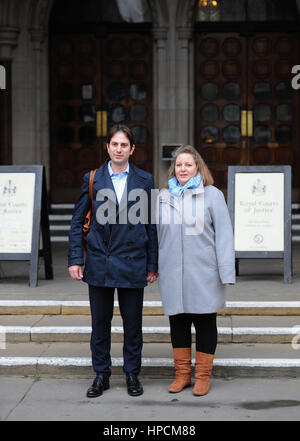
(89, 74)
(246, 110)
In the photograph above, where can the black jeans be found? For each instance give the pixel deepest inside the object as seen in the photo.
(205, 327)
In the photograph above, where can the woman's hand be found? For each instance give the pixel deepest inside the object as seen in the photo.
(151, 276)
(75, 272)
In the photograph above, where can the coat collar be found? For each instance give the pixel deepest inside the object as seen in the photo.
(135, 181)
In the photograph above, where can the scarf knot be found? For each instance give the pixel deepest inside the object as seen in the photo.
(177, 190)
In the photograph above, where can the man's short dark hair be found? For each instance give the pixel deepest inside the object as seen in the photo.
(121, 128)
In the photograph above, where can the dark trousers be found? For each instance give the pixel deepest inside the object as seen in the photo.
(102, 306)
(205, 327)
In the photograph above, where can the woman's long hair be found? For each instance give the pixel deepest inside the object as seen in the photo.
(201, 166)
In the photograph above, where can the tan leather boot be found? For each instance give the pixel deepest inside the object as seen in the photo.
(203, 369)
(182, 363)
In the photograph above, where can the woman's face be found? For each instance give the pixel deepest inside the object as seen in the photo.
(185, 168)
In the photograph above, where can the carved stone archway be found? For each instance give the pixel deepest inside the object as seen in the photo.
(185, 13)
(40, 11)
(39, 14)
(38, 27)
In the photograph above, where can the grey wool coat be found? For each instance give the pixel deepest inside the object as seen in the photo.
(196, 250)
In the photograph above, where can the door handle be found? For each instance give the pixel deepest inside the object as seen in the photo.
(101, 123)
(244, 122)
(247, 123)
(250, 123)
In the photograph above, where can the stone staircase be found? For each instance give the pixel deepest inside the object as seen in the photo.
(39, 336)
(296, 222)
(61, 216)
(52, 337)
(60, 220)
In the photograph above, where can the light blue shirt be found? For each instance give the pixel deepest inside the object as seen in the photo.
(118, 180)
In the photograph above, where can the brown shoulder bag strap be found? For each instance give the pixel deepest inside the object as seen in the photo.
(91, 181)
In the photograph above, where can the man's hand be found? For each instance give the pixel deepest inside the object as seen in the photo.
(151, 276)
(75, 272)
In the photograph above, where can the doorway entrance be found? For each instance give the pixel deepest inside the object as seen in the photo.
(100, 75)
(247, 112)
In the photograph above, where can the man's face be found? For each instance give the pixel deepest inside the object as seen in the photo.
(119, 150)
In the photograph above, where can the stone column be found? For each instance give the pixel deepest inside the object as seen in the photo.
(38, 37)
(8, 41)
(160, 104)
(185, 84)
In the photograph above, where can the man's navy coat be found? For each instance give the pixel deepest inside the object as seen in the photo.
(118, 255)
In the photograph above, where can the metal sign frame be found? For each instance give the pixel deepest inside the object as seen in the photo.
(286, 254)
(40, 221)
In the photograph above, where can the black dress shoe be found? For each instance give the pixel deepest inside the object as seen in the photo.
(100, 384)
(134, 387)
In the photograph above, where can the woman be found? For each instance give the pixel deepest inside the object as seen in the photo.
(196, 261)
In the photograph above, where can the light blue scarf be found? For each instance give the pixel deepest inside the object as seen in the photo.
(177, 190)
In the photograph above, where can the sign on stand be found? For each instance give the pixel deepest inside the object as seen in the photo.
(23, 213)
(259, 202)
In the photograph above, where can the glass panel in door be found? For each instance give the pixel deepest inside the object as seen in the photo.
(274, 103)
(220, 93)
(246, 109)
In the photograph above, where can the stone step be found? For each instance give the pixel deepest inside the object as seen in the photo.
(60, 228)
(59, 238)
(256, 360)
(62, 207)
(42, 307)
(75, 334)
(234, 321)
(61, 216)
(234, 329)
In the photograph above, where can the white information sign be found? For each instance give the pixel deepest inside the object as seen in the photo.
(16, 212)
(259, 212)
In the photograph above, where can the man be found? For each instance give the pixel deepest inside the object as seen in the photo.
(120, 254)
